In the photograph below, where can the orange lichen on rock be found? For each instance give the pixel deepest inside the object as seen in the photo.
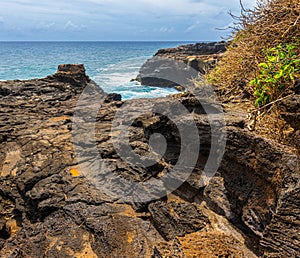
(12, 226)
(58, 119)
(75, 172)
(130, 237)
(205, 245)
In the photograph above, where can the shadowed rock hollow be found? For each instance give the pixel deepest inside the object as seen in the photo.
(48, 208)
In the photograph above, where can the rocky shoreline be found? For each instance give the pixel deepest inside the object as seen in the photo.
(50, 208)
(200, 57)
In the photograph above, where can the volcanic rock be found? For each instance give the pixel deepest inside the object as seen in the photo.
(178, 66)
(67, 188)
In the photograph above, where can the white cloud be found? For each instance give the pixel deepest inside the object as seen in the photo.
(72, 26)
(192, 27)
(46, 25)
(166, 29)
(170, 7)
(176, 18)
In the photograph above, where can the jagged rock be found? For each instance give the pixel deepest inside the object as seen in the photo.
(204, 245)
(297, 86)
(72, 73)
(51, 206)
(169, 67)
(173, 219)
(4, 91)
(195, 49)
(113, 97)
(165, 72)
(216, 196)
(253, 189)
(179, 88)
(290, 112)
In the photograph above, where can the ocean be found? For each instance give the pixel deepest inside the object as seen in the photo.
(110, 64)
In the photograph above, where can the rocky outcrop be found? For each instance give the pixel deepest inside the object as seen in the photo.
(290, 112)
(199, 49)
(73, 74)
(50, 206)
(166, 63)
(113, 97)
(258, 190)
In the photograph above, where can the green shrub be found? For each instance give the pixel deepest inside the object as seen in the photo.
(273, 25)
(277, 73)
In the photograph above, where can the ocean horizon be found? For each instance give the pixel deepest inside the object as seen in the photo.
(111, 64)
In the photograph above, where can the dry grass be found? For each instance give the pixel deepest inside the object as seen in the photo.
(270, 23)
(270, 125)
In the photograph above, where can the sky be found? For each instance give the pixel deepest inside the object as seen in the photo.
(117, 20)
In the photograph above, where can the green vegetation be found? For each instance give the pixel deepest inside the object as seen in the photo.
(278, 71)
(262, 60)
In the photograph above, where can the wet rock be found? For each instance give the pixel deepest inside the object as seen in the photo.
(165, 72)
(179, 88)
(113, 97)
(4, 91)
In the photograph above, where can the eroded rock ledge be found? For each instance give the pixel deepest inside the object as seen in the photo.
(48, 208)
(198, 58)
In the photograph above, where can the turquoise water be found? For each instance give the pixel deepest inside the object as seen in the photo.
(111, 64)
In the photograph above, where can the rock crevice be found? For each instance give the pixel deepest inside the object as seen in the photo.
(50, 207)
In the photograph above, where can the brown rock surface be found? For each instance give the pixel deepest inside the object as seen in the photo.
(290, 112)
(51, 208)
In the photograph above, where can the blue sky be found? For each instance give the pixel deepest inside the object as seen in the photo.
(191, 20)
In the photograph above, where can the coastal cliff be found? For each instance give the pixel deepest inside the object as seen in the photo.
(201, 57)
(50, 208)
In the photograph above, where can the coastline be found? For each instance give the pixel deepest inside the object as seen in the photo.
(46, 196)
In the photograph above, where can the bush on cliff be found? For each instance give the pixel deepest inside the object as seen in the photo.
(263, 59)
(278, 71)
